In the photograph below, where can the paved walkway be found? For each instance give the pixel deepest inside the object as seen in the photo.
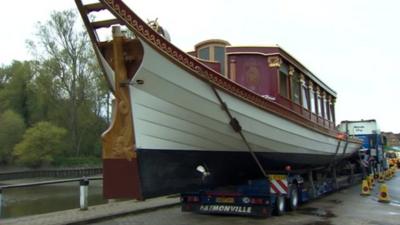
(94, 213)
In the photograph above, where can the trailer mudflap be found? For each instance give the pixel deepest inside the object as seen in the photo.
(229, 209)
(228, 203)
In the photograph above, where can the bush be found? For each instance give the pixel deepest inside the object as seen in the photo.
(82, 161)
(40, 145)
(12, 128)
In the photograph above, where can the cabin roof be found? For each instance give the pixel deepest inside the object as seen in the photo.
(212, 41)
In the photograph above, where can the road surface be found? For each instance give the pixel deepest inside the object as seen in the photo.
(345, 207)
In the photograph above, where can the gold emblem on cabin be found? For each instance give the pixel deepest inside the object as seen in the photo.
(252, 75)
(274, 61)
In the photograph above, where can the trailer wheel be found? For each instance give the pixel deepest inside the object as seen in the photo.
(293, 200)
(279, 206)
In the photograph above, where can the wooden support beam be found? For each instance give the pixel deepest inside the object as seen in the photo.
(105, 23)
(94, 7)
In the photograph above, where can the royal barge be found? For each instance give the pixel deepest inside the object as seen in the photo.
(236, 110)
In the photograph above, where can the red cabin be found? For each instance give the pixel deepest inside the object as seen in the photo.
(274, 74)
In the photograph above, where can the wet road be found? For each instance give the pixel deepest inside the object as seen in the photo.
(345, 207)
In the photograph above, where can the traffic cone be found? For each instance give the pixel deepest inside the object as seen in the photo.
(384, 194)
(372, 181)
(380, 178)
(387, 177)
(369, 182)
(365, 191)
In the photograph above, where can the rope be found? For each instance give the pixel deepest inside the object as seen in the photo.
(237, 128)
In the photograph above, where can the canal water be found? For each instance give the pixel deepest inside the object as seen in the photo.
(47, 198)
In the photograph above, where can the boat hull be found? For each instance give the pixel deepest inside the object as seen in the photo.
(179, 124)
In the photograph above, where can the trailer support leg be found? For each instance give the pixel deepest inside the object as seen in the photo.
(352, 174)
(311, 180)
(335, 177)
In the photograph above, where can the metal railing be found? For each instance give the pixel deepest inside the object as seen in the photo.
(59, 173)
(83, 190)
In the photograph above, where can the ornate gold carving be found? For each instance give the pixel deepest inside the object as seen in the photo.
(118, 139)
(310, 84)
(317, 90)
(291, 70)
(274, 61)
(302, 79)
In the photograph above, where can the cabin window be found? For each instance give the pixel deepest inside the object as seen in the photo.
(324, 104)
(204, 53)
(295, 81)
(304, 96)
(232, 69)
(332, 112)
(220, 57)
(283, 84)
(283, 80)
(327, 108)
(312, 99)
(319, 104)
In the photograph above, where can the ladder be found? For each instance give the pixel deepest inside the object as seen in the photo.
(93, 26)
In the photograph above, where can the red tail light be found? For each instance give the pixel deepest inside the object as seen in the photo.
(192, 199)
(257, 201)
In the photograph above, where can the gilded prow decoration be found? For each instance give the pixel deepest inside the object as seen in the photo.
(119, 59)
(119, 150)
(117, 139)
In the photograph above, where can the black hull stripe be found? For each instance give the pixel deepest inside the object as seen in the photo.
(174, 171)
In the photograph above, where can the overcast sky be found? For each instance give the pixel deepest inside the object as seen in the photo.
(353, 46)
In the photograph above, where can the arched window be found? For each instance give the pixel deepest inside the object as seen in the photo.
(283, 80)
(304, 93)
(332, 109)
(219, 52)
(204, 53)
(312, 97)
(295, 85)
(324, 105)
(319, 103)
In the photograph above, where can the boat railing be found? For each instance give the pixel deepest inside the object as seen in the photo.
(305, 113)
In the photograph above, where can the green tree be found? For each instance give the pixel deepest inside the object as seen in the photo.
(4, 77)
(15, 91)
(40, 144)
(12, 128)
(67, 63)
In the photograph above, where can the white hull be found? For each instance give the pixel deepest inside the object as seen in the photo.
(174, 110)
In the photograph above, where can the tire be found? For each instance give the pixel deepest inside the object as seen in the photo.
(293, 201)
(279, 206)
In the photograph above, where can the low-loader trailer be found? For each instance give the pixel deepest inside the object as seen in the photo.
(276, 194)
